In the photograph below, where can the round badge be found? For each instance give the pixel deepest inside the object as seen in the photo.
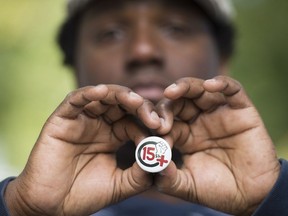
(153, 154)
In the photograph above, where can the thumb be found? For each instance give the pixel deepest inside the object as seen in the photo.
(134, 180)
(176, 182)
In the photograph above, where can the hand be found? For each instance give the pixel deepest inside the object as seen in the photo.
(72, 168)
(229, 162)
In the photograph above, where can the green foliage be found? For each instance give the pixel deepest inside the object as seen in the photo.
(261, 62)
(33, 81)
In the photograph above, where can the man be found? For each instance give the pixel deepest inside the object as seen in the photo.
(150, 67)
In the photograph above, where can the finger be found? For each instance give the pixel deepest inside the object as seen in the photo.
(110, 113)
(182, 138)
(96, 108)
(165, 177)
(133, 181)
(128, 129)
(182, 95)
(231, 89)
(119, 133)
(166, 115)
(185, 87)
(133, 104)
(75, 102)
(193, 89)
(122, 95)
(185, 109)
(148, 115)
(208, 101)
(175, 182)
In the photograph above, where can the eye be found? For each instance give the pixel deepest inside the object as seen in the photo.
(184, 29)
(176, 29)
(111, 34)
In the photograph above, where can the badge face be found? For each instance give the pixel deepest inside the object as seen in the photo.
(153, 154)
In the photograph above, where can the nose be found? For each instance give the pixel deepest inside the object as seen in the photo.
(144, 47)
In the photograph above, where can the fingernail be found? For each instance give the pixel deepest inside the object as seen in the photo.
(135, 95)
(211, 80)
(154, 116)
(174, 85)
(163, 122)
(100, 87)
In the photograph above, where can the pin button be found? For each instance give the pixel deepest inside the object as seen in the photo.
(153, 154)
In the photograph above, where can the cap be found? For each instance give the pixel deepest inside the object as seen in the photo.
(222, 10)
(153, 154)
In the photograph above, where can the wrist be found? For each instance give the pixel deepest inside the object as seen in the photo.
(17, 202)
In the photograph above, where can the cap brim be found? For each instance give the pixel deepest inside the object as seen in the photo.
(220, 10)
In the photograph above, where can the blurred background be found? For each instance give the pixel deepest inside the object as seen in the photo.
(33, 81)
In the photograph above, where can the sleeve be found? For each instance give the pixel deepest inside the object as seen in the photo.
(277, 200)
(3, 185)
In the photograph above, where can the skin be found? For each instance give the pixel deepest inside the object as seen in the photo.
(148, 76)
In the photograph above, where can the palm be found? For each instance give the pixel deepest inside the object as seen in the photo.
(223, 148)
(221, 156)
(91, 165)
(80, 176)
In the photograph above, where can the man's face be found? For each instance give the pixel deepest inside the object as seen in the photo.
(144, 45)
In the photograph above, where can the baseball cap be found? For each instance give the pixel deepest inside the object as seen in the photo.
(220, 12)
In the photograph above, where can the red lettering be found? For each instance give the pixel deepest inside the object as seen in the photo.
(148, 153)
(162, 160)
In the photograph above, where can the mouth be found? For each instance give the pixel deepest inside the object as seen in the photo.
(151, 91)
(149, 84)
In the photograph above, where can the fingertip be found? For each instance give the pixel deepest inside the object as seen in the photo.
(231, 89)
(97, 92)
(165, 126)
(166, 177)
(164, 109)
(101, 88)
(152, 121)
(154, 116)
(171, 91)
(169, 170)
(143, 178)
(172, 87)
(212, 85)
(210, 81)
(135, 96)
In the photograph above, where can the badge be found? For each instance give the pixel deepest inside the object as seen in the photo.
(153, 154)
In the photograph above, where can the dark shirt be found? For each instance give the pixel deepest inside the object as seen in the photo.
(141, 206)
(275, 203)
